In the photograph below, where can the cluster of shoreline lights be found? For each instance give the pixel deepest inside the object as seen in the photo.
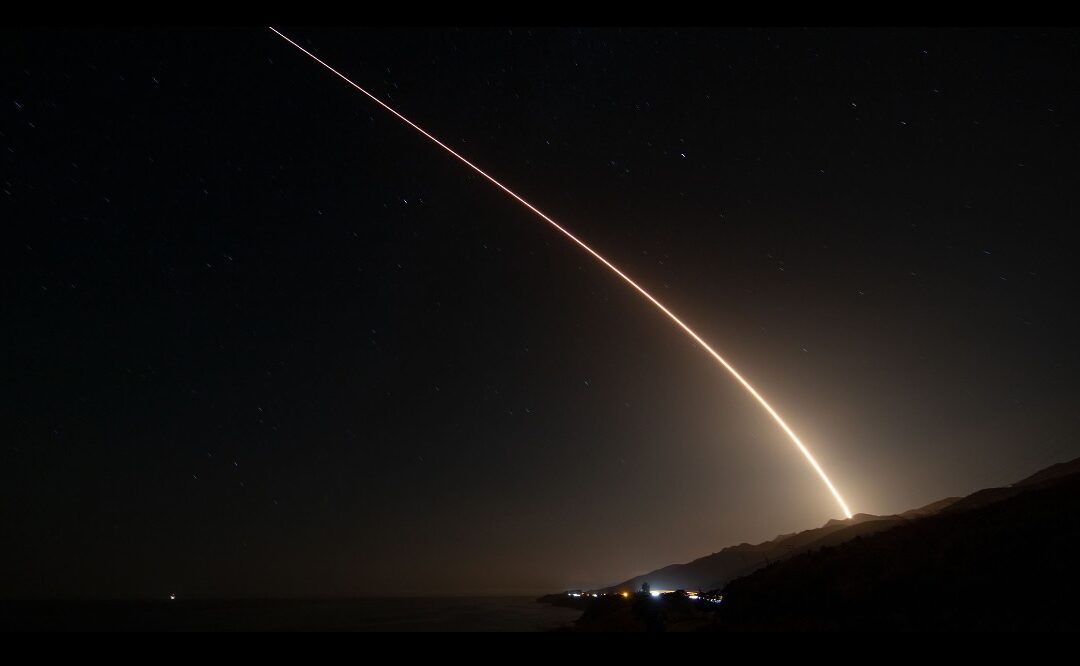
(655, 594)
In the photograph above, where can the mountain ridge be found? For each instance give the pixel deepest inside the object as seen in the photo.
(1003, 562)
(716, 570)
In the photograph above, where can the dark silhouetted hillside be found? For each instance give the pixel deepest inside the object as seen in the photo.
(716, 570)
(1000, 559)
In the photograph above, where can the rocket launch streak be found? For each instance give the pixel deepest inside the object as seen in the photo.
(727, 366)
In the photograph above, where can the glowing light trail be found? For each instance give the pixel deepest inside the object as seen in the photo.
(727, 366)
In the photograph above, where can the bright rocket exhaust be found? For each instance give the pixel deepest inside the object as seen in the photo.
(719, 359)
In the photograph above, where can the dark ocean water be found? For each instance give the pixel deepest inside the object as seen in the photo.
(392, 614)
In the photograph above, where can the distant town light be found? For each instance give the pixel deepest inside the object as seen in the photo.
(172, 597)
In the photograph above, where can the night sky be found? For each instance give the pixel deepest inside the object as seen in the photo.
(263, 339)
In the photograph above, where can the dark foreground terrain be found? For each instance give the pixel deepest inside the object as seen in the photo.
(1007, 565)
(1001, 559)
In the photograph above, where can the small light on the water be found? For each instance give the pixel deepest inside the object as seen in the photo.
(172, 597)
